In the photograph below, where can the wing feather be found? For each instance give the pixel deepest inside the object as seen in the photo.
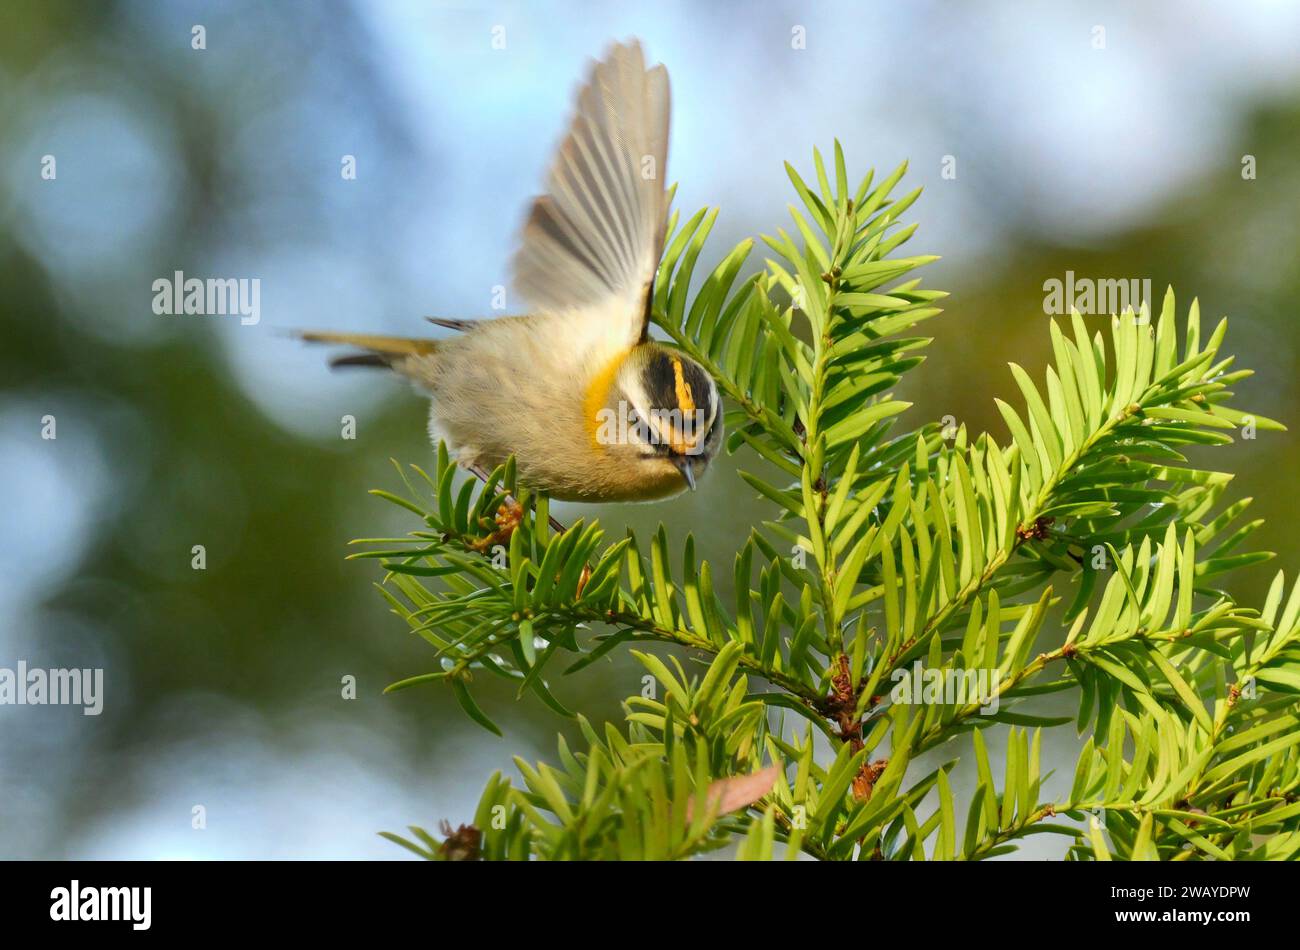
(593, 242)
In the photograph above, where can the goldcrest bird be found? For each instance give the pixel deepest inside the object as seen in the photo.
(589, 405)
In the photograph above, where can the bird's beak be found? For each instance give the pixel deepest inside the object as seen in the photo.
(684, 466)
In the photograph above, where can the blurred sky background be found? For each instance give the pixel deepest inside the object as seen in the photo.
(223, 685)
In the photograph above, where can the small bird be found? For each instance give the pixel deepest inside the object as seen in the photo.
(589, 405)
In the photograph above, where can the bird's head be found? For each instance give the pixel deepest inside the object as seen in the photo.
(673, 417)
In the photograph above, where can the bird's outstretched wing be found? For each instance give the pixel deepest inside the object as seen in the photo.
(592, 244)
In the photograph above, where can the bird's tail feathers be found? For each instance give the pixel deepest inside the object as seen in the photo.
(382, 351)
(453, 323)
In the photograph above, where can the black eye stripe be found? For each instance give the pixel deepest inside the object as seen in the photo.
(667, 379)
(659, 378)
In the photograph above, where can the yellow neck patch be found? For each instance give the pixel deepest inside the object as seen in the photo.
(598, 395)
